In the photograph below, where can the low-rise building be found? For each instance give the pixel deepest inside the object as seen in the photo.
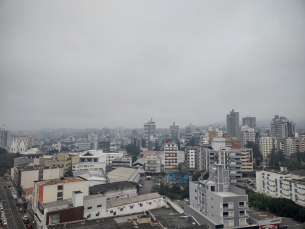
(282, 183)
(47, 191)
(124, 174)
(113, 191)
(63, 160)
(122, 162)
(95, 177)
(24, 175)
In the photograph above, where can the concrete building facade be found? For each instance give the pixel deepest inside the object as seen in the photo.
(174, 133)
(250, 121)
(281, 127)
(282, 183)
(217, 203)
(149, 130)
(233, 124)
(20, 143)
(171, 156)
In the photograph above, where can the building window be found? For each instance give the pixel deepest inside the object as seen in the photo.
(131, 207)
(89, 208)
(141, 205)
(99, 206)
(60, 187)
(111, 211)
(121, 209)
(59, 194)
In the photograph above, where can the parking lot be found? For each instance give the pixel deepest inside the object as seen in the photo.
(147, 185)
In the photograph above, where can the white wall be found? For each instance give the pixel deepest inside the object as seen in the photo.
(136, 208)
(28, 178)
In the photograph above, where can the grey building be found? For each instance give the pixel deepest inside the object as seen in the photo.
(149, 129)
(4, 138)
(189, 134)
(233, 124)
(250, 121)
(174, 133)
(104, 145)
(217, 203)
(281, 127)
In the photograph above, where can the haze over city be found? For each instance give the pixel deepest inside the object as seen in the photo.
(79, 64)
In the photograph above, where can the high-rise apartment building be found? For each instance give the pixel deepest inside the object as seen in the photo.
(192, 157)
(250, 121)
(149, 130)
(171, 156)
(281, 127)
(233, 124)
(4, 138)
(216, 202)
(134, 133)
(246, 134)
(174, 133)
(266, 144)
(19, 143)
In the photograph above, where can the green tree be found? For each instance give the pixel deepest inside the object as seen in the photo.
(198, 173)
(256, 152)
(134, 158)
(2, 150)
(133, 150)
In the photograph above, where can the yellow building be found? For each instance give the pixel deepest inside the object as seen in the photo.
(63, 160)
(246, 159)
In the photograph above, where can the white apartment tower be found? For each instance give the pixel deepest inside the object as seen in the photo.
(246, 134)
(281, 127)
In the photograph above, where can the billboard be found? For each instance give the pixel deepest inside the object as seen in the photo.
(41, 208)
(269, 226)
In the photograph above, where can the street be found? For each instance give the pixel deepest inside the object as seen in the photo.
(147, 185)
(13, 217)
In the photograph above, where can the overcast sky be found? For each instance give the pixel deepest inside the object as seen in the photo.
(94, 64)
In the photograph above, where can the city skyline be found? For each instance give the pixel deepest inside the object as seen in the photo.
(79, 65)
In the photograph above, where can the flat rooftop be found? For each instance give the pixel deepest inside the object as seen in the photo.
(169, 218)
(57, 203)
(107, 223)
(226, 194)
(121, 174)
(102, 188)
(59, 181)
(131, 200)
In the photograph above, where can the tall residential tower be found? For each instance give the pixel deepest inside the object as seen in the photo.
(233, 124)
(149, 129)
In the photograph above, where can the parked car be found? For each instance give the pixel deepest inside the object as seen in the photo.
(26, 221)
(186, 200)
(17, 204)
(20, 209)
(24, 217)
(29, 226)
(4, 223)
(166, 206)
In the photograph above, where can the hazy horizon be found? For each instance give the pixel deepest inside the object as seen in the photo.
(94, 64)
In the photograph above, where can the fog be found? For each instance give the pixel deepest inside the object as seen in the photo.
(94, 64)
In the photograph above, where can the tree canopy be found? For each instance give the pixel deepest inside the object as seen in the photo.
(132, 149)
